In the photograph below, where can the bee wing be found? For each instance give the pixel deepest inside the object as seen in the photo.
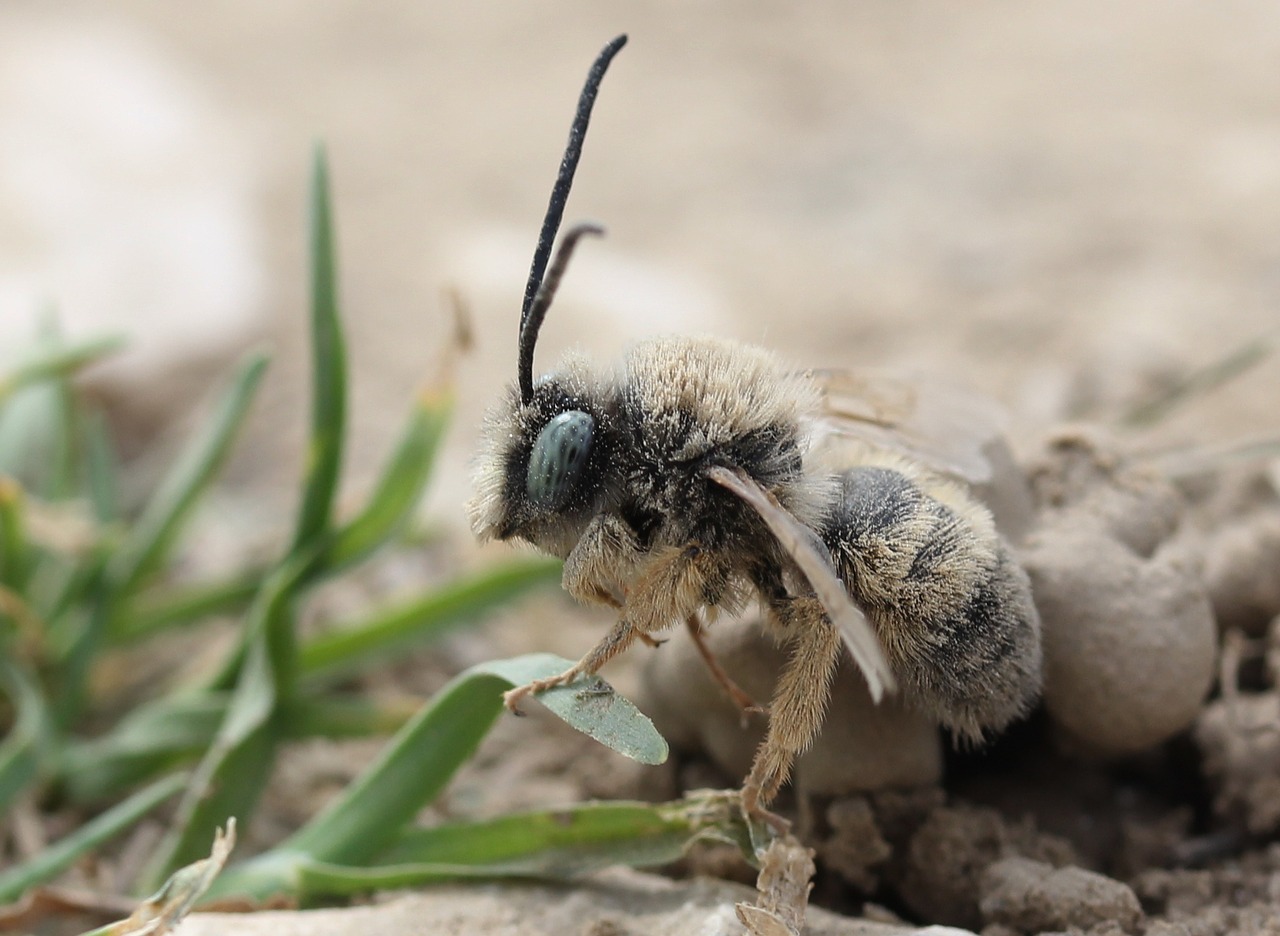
(801, 544)
(946, 428)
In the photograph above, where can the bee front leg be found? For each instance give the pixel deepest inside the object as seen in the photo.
(605, 555)
(669, 588)
(799, 702)
(617, 640)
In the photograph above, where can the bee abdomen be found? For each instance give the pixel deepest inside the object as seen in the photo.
(985, 671)
(949, 603)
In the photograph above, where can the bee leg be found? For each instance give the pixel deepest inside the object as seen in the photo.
(744, 702)
(614, 643)
(670, 587)
(603, 556)
(798, 703)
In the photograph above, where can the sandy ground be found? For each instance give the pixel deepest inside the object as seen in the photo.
(1052, 202)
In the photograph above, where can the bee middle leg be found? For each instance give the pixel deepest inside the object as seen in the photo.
(799, 702)
(744, 702)
(671, 586)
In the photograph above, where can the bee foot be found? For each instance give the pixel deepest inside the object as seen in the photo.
(756, 815)
(511, 698)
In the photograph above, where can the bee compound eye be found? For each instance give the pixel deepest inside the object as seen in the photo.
(558, 458)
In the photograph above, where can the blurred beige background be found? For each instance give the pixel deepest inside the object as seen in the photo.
(1057, 202)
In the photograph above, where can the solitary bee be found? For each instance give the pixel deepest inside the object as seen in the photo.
(704, 474)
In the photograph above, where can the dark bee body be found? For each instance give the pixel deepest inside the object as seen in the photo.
(949, 604)
(645, 529)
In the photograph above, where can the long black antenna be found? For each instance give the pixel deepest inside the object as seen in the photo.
(531, 313)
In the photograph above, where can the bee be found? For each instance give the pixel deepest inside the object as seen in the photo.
(703, 474)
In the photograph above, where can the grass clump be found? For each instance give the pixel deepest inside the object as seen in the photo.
(79, 580)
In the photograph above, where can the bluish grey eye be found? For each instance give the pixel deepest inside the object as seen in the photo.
(558, 458)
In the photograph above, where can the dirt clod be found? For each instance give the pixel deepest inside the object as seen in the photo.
(855, 847)
(1084, 474)
(1241, 563)
(1109, 615)
(1240, 740)
(1031, 896)
(950, 852)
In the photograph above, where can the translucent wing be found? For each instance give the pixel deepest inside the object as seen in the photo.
(802, 545)
(946, 428)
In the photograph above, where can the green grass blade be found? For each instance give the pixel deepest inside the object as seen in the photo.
(410, 773)
(76, 639)
(101, 467)
(14, 558)
(356, 644)
(174, 731)
(148, 541)
(164, 607)
(1199, 383)
(329, 369)
(576, 839)
(62, 854)
(556, 843)
(415, 766)
(30, 737)
(149, 740)
(58, 360)
(231, 776)
(310, 716)
(392, 503)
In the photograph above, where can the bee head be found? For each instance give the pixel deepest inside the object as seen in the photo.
(538, 472)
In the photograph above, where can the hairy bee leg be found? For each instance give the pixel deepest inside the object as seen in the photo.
(617, 640)
(603, 555)
(671, 587)
(744, 702)
(799, 702)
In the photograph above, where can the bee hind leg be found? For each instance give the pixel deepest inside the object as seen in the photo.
(799, 702)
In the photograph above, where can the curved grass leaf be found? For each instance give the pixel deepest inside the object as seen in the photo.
(423, 756)
(62, 854)
(25, 745)
(101, 466)
(554, 843)
(147, 542)
(149, 740)
(175, 731)
(163, 607)
(59, 360)
(328, 369)
(234, 771)
(577, 839)
(393, 500)
(14, 561)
